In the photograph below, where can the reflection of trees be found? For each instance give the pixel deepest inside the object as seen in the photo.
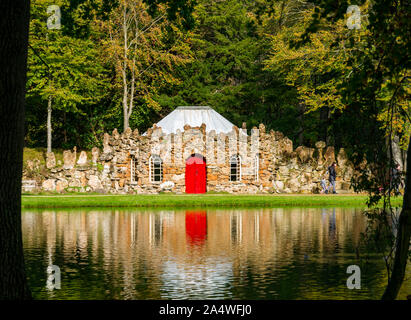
(121, 254)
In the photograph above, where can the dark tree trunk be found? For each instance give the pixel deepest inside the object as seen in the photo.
(403, 239)
(14, 27)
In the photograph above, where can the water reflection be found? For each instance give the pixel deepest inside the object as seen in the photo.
(196, 227)
(213, 254)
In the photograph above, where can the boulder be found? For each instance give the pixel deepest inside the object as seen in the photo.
(80, 178)
(94, 182)
(127, 133)
(33, 165)
(106, 146)
(69, 158)
(167, 185)
(304, 153)
(30, 165)
(49, 185)
(28, 185)
(329, 155)
(61, 185)
(82, 160)
(320, 145)
(293, 185)
(283, 171)
(278, 185)
(285, 145)
(115, 134)
(50, 160)
(180, 178)
(95, 152)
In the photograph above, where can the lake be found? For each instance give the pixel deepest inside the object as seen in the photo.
(280, 253)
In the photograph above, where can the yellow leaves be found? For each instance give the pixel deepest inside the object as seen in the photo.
(313, 69)
(140, 51)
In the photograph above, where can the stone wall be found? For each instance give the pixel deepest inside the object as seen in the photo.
(281, 168)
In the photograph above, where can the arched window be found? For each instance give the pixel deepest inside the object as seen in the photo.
(235, 168)
(156, 169)
(133, 169)
(256, 167)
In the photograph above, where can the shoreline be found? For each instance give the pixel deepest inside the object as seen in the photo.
(196, 201)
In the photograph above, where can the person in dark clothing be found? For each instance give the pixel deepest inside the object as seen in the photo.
(332, 175)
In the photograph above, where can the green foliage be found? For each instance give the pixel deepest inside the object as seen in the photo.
(378, 90)
(232, 55)
(72, 72)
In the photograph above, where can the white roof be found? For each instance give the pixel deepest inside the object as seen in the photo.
(195, 116)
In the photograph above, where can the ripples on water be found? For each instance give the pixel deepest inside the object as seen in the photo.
(213, 254)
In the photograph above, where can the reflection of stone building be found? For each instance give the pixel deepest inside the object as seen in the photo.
(194, 150)
(186, 246)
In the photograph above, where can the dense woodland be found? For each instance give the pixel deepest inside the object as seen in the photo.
(236, 56)
(293, 65)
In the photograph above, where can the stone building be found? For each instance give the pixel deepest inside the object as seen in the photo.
(196, 150)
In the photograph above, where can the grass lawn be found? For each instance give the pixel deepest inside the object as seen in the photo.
(192, 201)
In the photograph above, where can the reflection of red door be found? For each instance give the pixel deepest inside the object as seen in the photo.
(196, 226)
(196, 175)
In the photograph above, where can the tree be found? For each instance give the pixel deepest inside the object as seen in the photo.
(14, 30)
(63, 69)
(378, 87)
(314, 70)
(143, 54)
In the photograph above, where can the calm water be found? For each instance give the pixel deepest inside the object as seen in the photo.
(213, 254)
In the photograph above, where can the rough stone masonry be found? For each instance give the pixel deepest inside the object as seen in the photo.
(268, 163)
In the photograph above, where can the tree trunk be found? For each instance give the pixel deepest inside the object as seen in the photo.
(397, 156)
(49, 125)
(14, 27)
(403, 239)
(124, 73)
(125, 118)
(49, 111)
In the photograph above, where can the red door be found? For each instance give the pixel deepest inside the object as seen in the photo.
(196, 227)
(196, 174)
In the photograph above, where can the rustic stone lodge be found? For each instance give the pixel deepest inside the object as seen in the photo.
(193, 150)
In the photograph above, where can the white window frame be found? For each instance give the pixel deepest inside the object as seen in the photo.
(256, 167)
(133, 172)
(153, 161)
(235, 159)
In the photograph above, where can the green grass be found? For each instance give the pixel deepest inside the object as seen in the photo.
(195, 201)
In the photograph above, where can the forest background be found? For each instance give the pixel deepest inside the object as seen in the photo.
(115, 64)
